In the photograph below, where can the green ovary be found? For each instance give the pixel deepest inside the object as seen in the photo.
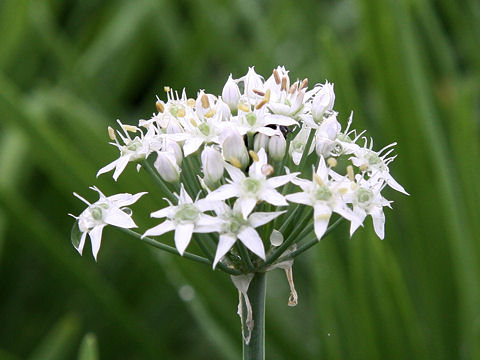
(97, 213)
(187, 213)
(323, 193)
(252, 185)
(364, 196)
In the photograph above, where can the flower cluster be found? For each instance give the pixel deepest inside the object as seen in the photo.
(238, 167)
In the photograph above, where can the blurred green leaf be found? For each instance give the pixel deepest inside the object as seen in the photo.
(88, 348)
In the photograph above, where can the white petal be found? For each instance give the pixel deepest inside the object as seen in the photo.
(378, 222)
(160, 229)
(224, 192)
(165, 212)
(107, 168)
(250, 238)
(225, 243)
(121, 165)
(267, 131)
(296, 157)
(82, 243)
(281, 180)
(394, 184)
(117, 217)
(183, 235)
(359, 217)
(261, 218)
(235, 173)
(279, 120)
(208, 224)
(273, 197)
(321, 217)
(96, 239)
(247, 204)
(191, 145)
(300, 198)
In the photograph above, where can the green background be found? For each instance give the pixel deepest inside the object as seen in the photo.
(410, 70)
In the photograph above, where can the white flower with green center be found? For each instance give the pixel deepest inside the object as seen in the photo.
(367, 200)
(297, 145)
(106, 211)
(235, 226)
(135, 149)
(376, 165)
(324, 195)
(185, 218)
(257, 120)
(253, 188)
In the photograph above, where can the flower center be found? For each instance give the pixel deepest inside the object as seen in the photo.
(235, 223)
(187, 213)
(364, 196)
(251, 119)
(252, 185)
(374, 159)
(97, 213)
(323, 193)
(204, 129)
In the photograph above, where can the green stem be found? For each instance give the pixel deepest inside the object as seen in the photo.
(153, 173)
(255, 350)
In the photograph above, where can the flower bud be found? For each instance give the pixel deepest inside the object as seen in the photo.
(222, 110)
(260, 141)
(231, 93)
(276, 147)
(212, 164)
(167, 167)
(173, 147)
(173, 127)
(323, 101)
(234, 149)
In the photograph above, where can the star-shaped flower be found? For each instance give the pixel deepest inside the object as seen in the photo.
(106, 211)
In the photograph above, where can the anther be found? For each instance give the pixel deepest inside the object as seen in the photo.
(293, 88)
(276, 76)
(193, 122)
(205, 102)
(160, 107)
(191, 102)
(363, 167)
(181, 112)
(111, 133)
(318, 179)
(267, 95)
(332, 162)
(210, 113)
(258, 92)
(304, 84)
(235, 162)
(284, 84)
(166, 89)
(260, 104)
(243, 107)
(350, 173)
(130, 128)
(253, 155)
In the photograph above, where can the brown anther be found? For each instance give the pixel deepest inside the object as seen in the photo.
(267, 95)
(243, 107)
(284, 84)
(191, 102)
(210, 113)
(205, 102)
(350, 173)
(293, 88)
(267, 169)
(260, 104)
(111, 133)
(166, 88)
(276, 76)
(253, 155)
(258, 92)
(181, 112)
(332, 162)
(193, 122)
(159, 106)
(304, 84)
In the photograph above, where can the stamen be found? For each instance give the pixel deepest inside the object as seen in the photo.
(318, 179)
(205, 102)
(332, 162)
(130, 128)
(235, 162)
(304, 84)
(159, 106)
(276, 76)
(267, 95)
(253, 155)
(293, 88)
(193, 122)
(258, 92)
(181, 112)
(243, 107)
(350, 173)
(111, 133)
(166, 89)
(284, 84)
(191, 102)
(260, 104)
(363, 167)
(210, 113)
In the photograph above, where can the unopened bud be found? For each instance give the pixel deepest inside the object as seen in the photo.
(231, 93)
(167, 167)
(212, 165)
(175, 149)
(234, 149)
(260, 141)
(251, 82)
(276, 147)
(267, 169)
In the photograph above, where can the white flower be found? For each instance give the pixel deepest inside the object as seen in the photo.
(254, 188)
(257, 121)
(185, 218)
(105, 211)
(235, 226)
(167, 166)
(134, 149)
(325, 136)
(277, 146)
(324, 196)
(376, 164)
(367, 200)
(297, 145)
(251, 81)
(234, 149)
